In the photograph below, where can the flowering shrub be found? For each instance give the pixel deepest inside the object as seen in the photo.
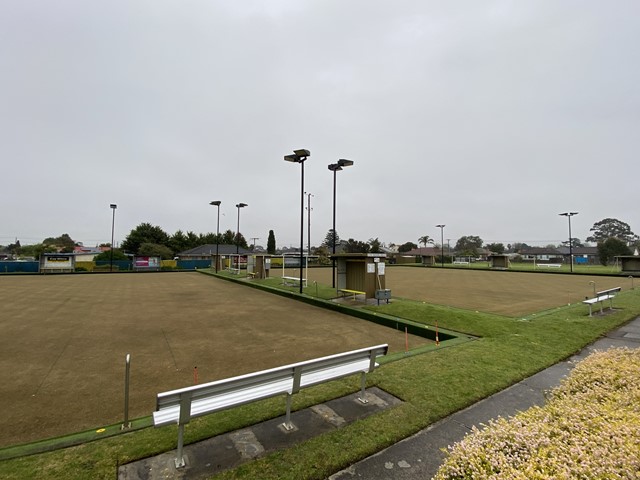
(589, 429)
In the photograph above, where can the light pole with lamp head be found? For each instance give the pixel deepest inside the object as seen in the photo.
(217, 204)
(300, 156)
(113, 207)
(569, 215)
(336, 167)
(238, 206)
(441, 227)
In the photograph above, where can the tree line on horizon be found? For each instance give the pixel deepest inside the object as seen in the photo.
(612, 236)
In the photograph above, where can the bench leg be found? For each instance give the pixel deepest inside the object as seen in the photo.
(363, 385)
(179, 457)
(287, 422)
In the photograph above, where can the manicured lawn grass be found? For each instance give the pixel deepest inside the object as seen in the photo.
(432, 385)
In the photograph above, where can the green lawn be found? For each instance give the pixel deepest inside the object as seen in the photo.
(432, 385)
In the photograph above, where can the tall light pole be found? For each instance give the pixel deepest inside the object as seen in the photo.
(217, 204)
(309, 195)
(238, 206)
(113, 207)
(335, 167)
(300, 156)
(441, 227)
(569, 215)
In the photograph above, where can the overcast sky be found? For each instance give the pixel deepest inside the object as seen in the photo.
(490, 117)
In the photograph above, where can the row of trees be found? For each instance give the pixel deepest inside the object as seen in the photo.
(612, 236)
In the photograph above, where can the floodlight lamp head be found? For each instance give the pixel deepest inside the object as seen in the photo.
(240, 205)
(216, 203)
(291, 158)
(302, 152)
(113, 205)
(343, 162)
(334, 167)
(440, 226)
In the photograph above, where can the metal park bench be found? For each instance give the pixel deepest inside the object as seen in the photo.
(289, 281)
(548, 265)
(602, 297)
(180, 406)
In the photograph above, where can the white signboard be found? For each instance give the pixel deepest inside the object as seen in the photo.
(371, 268)
(381, 268)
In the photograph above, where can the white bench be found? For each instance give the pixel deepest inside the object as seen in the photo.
(602, 297)
(289, 281)
(548, 265)
(235, 271)
(180, 406)
(346, 291)
(460, 262)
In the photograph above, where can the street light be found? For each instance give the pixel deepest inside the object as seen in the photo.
(336, 167)
(217, 204)
(238, 206)
(300, 156)
(441, 227)
(113, 222)
(569, 215)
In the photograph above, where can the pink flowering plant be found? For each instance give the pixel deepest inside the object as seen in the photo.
(589, 429)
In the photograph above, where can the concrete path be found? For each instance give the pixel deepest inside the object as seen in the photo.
(419, 456)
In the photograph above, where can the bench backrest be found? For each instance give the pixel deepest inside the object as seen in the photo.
(609, 291)
(190, 402)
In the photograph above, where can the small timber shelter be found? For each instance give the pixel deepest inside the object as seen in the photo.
(630, 263)
(364, 272)
(498, 261)
(258, 266)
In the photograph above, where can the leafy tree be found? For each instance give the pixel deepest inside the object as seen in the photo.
(468, 245)
(36, 250)
(575, 243)
(612, 228)
(14, 247)
(495, 247)
(144, 233)
(406, 247)
(106, 256)
(329, 238)
(426, 239)
(611, 248)
(374, 245)
(228, 238)
(356, 246)
(271, 243)
(155, 250)
(179, 242)
(519, 246)
(240, 241)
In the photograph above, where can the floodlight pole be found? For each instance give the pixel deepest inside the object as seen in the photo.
(309, 195)
(217, 204)
(441, 227)
(300, 156)
(113, 207)
(238, 206)
(569, 215)
(335, 167)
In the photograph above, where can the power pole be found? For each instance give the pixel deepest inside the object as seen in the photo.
(254, 241)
